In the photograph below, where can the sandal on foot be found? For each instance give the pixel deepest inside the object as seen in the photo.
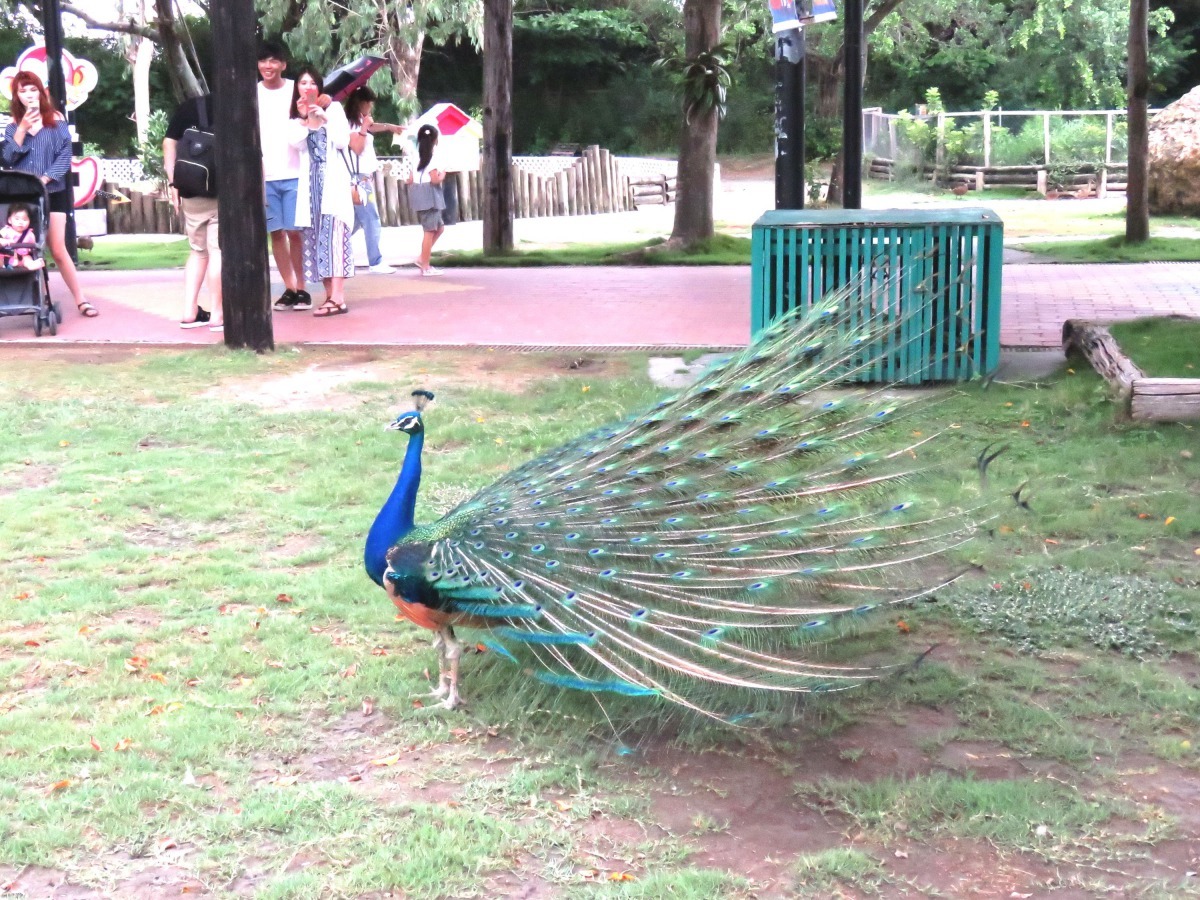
(87, 310)
(329, 308)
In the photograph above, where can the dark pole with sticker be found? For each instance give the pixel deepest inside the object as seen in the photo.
(57, 85)
(789, 119)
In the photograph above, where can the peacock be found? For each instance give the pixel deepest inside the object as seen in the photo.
(714, 541)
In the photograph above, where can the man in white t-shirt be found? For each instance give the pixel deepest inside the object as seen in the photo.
(281, 168)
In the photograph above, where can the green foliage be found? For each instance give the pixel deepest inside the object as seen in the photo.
(149, 152)
(1056, 608)
(703, 80)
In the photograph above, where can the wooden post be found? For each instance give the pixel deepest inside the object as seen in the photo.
(245, 281)
(1046, 136)
(987, 139)
(1041, 182)
(979, 182)
(1108, 137)
(497, 127)
(560, 179)
(892, 147)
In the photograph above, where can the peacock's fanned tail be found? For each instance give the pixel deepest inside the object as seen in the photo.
(711, 540)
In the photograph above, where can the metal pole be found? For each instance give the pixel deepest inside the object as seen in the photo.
(57, 85)
(789, 119)
(852, 130)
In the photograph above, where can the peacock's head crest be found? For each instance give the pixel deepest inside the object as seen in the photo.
(410, 422)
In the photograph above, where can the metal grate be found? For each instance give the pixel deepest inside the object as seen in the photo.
(943, 293)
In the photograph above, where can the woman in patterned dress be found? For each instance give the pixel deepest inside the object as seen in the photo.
(324, 208)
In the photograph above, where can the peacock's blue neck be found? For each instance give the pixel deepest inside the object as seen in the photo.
(397, 517)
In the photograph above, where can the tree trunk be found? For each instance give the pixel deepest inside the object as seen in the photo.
(698, 135)
(245, 281)
(1137, 199)
(404, 59)
(497, 127)
(184, 83)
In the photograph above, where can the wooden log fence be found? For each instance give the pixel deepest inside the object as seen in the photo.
(660, 189)
(1137, 397)
(592, 184)
(1033, 177)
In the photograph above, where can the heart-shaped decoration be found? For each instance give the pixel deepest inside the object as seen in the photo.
(88, 170)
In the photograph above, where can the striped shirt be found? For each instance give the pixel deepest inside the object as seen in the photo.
(46, 153)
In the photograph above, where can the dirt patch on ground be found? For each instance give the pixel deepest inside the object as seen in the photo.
(325, 380)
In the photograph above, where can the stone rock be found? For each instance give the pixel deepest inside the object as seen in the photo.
(1174, 182)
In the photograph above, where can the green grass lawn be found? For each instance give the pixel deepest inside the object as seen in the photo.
(201, 690)
(1162, 348)
(1114, 249)
(127, 255)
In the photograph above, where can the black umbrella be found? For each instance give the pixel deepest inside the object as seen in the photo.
(344, 79)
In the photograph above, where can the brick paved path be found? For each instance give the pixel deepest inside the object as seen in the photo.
(593, 306)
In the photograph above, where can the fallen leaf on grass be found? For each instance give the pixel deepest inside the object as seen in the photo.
(284, 780)
(96, 746)
(620, 876)
(157, 676)
(123, 744)
(136, 663)
(283, 598)
(386, 760)
(33, 643)
(163, 844)
(59, 785)
(350, 672)
(379, 651)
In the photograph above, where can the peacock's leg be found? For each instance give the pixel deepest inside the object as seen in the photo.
(439, 644)
(453, 653)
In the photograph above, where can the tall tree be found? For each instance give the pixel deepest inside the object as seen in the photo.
(704, 80)
(325, 32)
(497, 127)
(244, 275)
(1137, 199)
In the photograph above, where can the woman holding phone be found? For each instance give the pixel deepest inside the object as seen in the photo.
(38, 141)
(324, 209)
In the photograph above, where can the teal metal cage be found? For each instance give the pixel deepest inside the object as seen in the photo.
(942, 269)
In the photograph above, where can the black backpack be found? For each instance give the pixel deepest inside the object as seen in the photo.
(195, 172)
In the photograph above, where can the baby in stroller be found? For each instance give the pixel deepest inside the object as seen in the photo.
(18, 243)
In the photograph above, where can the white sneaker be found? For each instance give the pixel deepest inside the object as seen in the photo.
(430, 271)
(381, 269)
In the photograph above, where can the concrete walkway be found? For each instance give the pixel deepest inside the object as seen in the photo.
(598, 307)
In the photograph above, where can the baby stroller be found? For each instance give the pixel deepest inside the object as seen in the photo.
(26, 292)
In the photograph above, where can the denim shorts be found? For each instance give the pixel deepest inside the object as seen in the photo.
(281, 205)
(430, 219)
